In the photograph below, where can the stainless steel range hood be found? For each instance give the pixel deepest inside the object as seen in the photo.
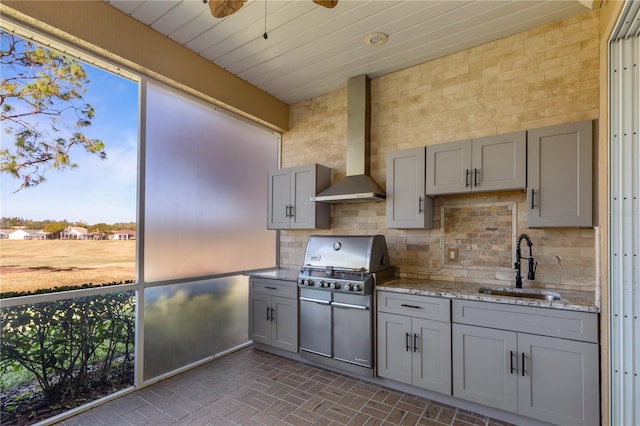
(357, 186)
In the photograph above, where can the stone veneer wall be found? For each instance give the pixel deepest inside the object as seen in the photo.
(545, 76)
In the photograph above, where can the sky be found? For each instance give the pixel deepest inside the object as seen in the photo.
(97, 190)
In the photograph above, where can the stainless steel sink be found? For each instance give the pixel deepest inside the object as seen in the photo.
(528, 293)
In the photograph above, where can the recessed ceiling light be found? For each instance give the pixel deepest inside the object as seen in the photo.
(376, 39)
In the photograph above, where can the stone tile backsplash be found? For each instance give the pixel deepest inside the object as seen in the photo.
(482, 234)
(482, 227)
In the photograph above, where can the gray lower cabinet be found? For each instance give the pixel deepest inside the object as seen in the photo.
(273, 313)
(560, 178)
(545, 377)
(407, 203)
(492, 163)
(414, 340)
(481, 362)
(289, 192)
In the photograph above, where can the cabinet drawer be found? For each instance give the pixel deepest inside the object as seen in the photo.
(274, 287)
(542, 321)
(426, 307)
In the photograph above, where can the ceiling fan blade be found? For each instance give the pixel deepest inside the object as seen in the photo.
(326, 3)
(222, 8)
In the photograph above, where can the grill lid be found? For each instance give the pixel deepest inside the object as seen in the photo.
(363, 253)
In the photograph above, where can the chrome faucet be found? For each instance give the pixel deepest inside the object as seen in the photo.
(532, 267)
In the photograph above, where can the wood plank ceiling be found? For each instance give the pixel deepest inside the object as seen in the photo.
(311, 50)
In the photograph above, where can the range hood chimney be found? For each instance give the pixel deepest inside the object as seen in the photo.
(357, 186)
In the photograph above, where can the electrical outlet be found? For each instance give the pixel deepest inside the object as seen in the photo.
(452, 255)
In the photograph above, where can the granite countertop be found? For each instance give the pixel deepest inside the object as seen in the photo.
(276, 274)
(583, 301)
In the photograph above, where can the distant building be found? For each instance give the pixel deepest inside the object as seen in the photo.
(123, 234)
(29, 234)
(4, 233)
(74, 233)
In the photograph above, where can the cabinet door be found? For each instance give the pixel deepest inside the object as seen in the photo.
(482, 366)
(560, 382)
(407, 204)
(260, 318)
(284, 323)
(449, 168)
(432, 355)
(559, 191)
(303, 187)
(499, 162)
(306, 182)
(279, 199)
(394, 347)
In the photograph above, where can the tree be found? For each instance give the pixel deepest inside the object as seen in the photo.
(41, 107)
(55, 228)
(100, 228)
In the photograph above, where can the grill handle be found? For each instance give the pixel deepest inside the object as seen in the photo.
(349, 306)
(318, 301)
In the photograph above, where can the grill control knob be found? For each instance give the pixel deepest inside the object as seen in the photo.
(301, 281)
(309, 283)
(357, 287)
(335, 285)
(348, 287)
(322, 284)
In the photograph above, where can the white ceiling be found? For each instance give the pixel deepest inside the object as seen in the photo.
(312, 50)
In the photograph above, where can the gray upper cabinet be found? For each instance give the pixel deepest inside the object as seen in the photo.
(560, 162)
(499, 162)
(290, 190)
(492, 163)
(407, 204)
(448, 167)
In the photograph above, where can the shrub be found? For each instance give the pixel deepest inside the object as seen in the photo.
(69, 346)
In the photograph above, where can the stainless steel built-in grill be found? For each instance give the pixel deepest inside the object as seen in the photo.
(337, 308)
